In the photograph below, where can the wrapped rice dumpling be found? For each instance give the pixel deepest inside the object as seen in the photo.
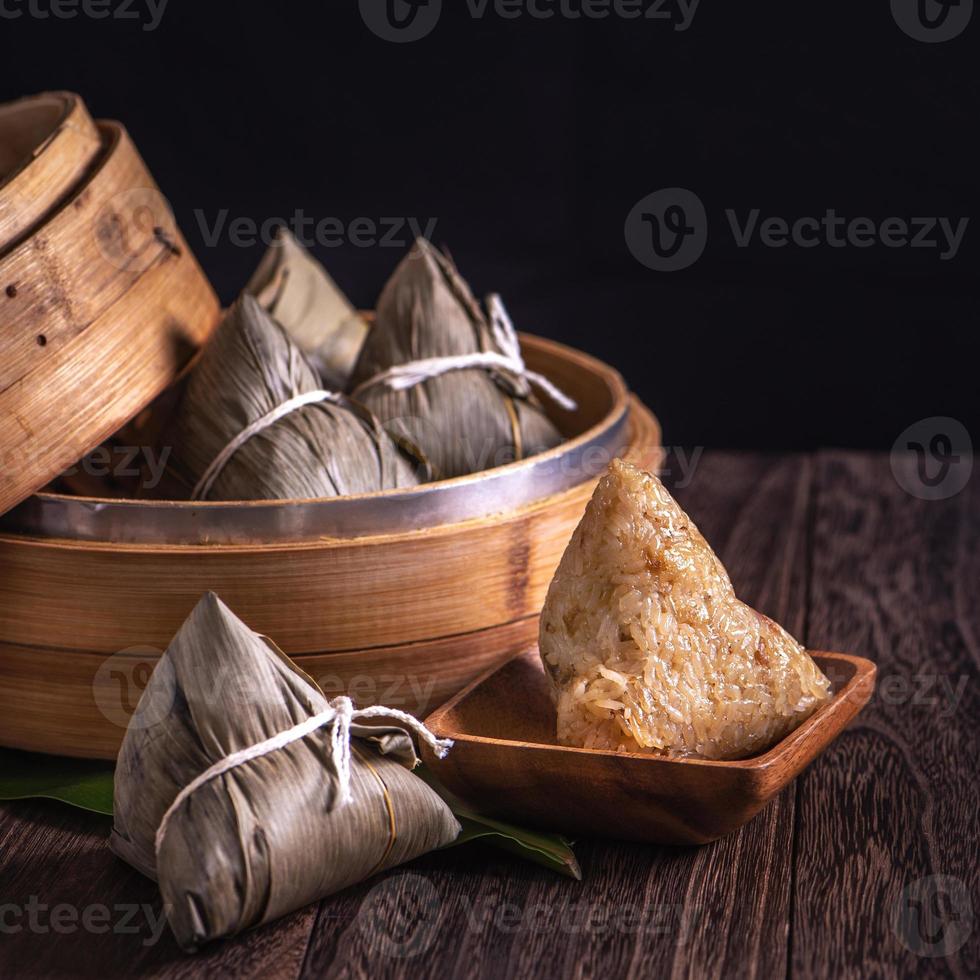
(295, 289)
(237, 833)
(463, 420)
(647, 646)
(253, 423)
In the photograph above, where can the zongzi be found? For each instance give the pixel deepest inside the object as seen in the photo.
(295, 289)
(448, 377)
(247, 795)
(647, 647)
(254, 424)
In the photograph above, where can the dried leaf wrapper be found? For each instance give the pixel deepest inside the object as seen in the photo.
(250, 368)
(267, 837)
(297, 291)
(463, 421)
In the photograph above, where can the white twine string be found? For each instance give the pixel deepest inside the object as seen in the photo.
(203, 487)
(408, 375)
(341, 714)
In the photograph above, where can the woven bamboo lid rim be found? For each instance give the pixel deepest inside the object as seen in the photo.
(62, 289)
(47, 143)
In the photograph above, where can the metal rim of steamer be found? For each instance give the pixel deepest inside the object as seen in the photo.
(477, 496)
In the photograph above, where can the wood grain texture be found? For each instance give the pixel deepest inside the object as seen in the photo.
(85, 701)
(503, 727)
(343, 594)
(47, 144)
(87, 388)
(719, 910)
(427, 610)
(82, 259)
(897, 799)
(58, 875)
(799, 892)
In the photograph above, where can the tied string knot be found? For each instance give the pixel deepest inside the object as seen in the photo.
(203, 486)
(341, 714)
(400, 377)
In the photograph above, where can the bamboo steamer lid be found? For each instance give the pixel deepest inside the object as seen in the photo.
(47, 144)
(101, 306)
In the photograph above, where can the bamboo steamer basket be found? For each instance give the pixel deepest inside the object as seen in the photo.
(101, 306)
(47, 144)
(400, 598)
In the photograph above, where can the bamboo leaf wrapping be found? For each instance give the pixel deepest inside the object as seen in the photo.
(464, 421)
(250, 367)
(265, 838)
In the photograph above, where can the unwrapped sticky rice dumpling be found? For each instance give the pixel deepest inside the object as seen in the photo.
(647, 646)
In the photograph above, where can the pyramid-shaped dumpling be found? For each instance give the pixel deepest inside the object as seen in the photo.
(297, 291)
(249, 368)
(647, 646)
(462, 421)
(269, 835)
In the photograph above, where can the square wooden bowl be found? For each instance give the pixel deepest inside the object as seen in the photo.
(506, 762)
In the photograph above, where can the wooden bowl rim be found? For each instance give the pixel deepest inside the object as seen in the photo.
(476, 496)
(857, 688)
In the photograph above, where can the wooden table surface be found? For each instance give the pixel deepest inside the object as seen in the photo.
(865, 866)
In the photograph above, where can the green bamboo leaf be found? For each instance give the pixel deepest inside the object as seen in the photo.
(77, 782)
(88, 786)
(550, 850)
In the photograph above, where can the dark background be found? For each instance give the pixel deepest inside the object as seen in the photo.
(530, 140)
